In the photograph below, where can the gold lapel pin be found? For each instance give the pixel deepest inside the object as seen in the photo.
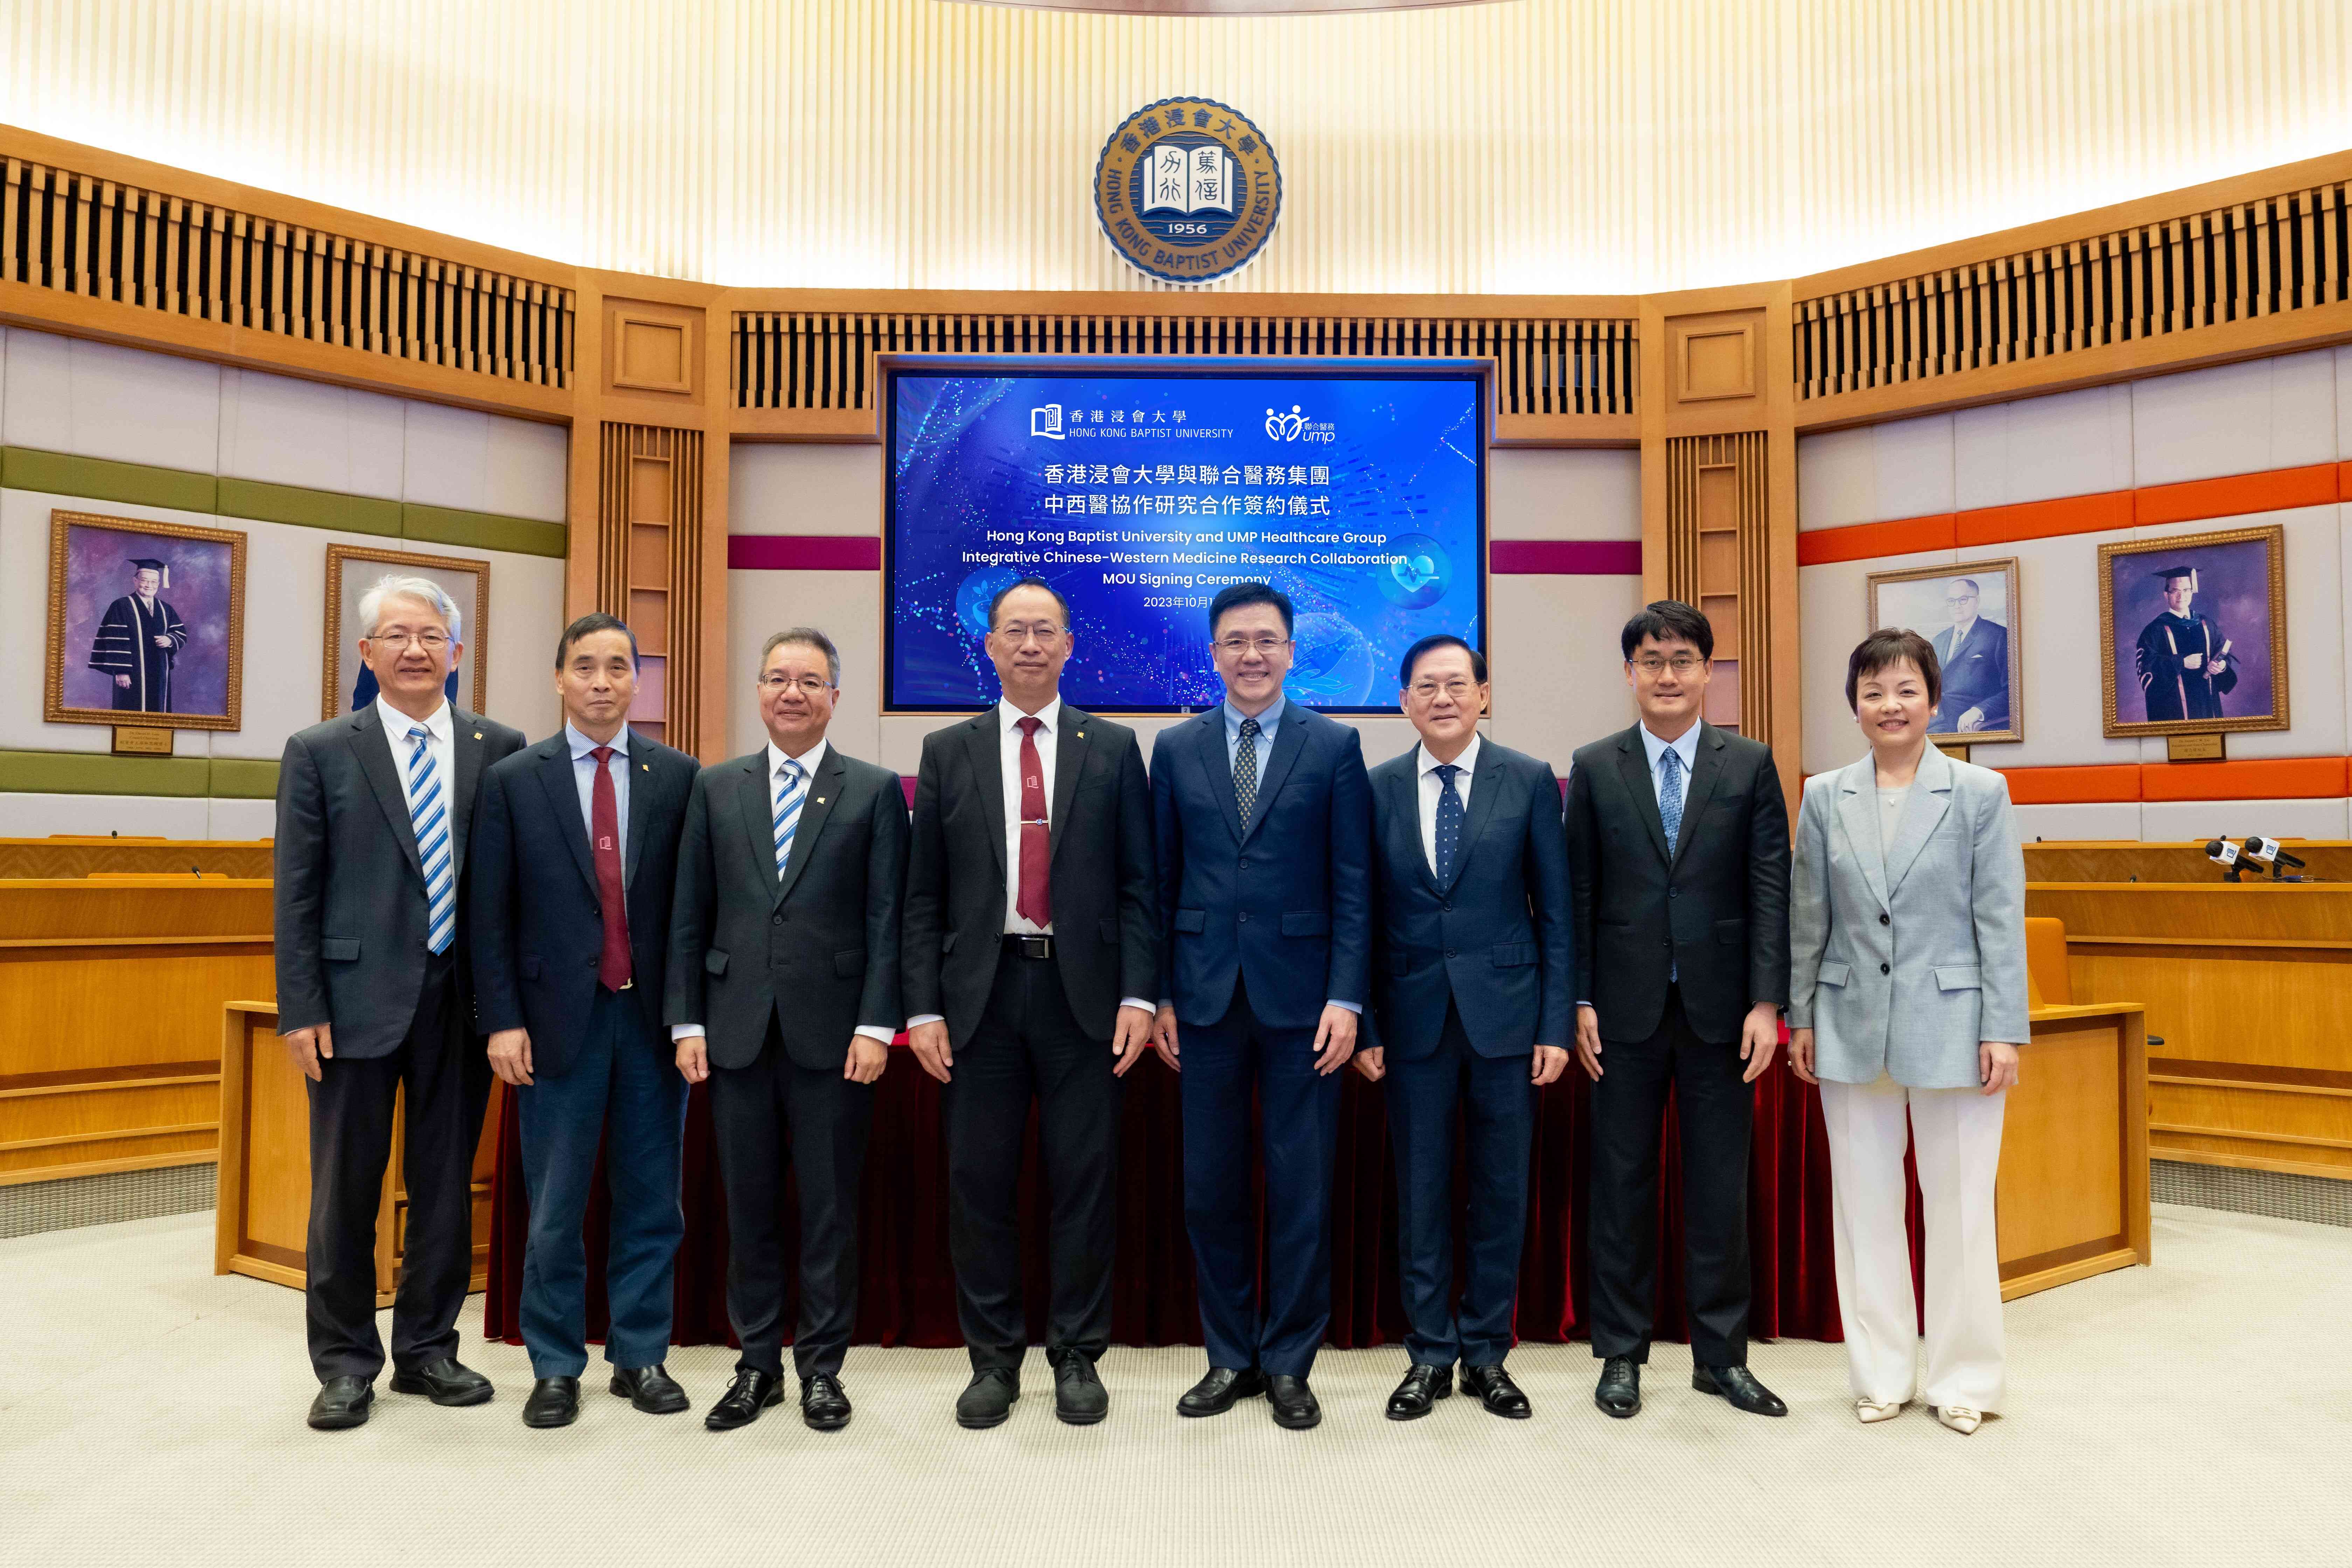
(820, 800)
(477, 734)
(1082, 734)
(645, 767)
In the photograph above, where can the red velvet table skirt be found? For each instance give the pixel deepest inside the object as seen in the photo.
(907, 1294)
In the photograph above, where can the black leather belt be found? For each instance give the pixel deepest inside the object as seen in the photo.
(1019, 946)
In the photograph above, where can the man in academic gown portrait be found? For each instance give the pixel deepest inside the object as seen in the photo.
(138, 641)
(1973, 654)
(2183, 659)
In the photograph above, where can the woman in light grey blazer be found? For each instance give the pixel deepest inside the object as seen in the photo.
(1906, 1004)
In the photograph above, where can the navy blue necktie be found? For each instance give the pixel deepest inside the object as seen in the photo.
(1449, 822)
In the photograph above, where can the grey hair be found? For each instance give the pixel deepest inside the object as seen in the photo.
(808, 636)
(423, 590)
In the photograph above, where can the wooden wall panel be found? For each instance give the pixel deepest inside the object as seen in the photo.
(649, 549)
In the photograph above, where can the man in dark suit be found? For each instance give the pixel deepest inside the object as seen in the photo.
(1474, 974)
(1265, 825)
(784, 992)
(575, 852)
(374, 999)
(1678, 855)
(1973, 654)
(1030, 953)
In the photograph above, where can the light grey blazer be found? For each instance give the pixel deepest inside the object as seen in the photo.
(1903, 961)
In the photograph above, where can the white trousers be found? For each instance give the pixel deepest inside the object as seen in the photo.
(1957, 1136)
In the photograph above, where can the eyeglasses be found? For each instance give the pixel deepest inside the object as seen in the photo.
(810, 685)
(1017, 635)
(1427, 690)
(431, 642)
(1681, 664)
(1235, 647)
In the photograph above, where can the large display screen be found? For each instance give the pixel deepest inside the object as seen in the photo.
(1141, 489)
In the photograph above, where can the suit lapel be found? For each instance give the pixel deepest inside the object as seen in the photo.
(555, 777)
(465, 745)
(824, 795)
(985, 748)
(1404, 813)
(641, 803)
(1703, 773)
(1069, 760)
(1858, 818)
(1485, 783)
(1634, 766)
(1922, 810)
(1211, 742)
(374, 750)
(1289, 740)
(758, 810)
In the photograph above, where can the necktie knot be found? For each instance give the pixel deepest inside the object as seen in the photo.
(602, 754)
(419, 732)
(1446, 772)
(1029, 725)
(1249, 728)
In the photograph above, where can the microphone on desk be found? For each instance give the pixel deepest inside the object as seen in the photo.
(2270, 853)
(2226, 856)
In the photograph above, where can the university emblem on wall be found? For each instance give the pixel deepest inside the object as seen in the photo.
(1187, 190)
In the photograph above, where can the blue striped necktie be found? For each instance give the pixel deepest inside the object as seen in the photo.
(428, 813)
(1670, 817)
(788, 812)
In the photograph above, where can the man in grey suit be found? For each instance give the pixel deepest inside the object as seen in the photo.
(784, 993)
(1473, 973)
(374, 998)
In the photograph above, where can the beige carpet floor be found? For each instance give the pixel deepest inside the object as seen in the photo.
(2199, 1411)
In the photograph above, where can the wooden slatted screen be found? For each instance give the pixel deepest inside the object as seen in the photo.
(2288, 252)
(106, 241)
(824, 360)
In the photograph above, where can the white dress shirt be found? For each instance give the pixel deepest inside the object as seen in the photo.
(583, 773)
(1430, 786)
(1008, 752)
(807, 762)
(440, 743)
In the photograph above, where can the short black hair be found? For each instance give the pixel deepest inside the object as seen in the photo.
(1889, 647)
(1668, 620)
(594, 621)
(1234, 596)
(1028, 582)
(1431, 644)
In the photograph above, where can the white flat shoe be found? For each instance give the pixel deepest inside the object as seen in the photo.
(1870, 1410)
(1960, 1417)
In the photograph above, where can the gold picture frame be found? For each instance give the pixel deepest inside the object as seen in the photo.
(78, 604)
(341, 641)
(2002, 612)
(2241, 584)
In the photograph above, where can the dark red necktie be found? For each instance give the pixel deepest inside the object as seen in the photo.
(605, 838)
(1036, 901)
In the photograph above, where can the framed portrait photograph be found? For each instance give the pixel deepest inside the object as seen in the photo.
(146, 624)
(2192, 633)
(1968, 614)
(348, 684)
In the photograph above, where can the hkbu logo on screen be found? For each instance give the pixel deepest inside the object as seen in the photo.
(1046, 421)
(1296, 426)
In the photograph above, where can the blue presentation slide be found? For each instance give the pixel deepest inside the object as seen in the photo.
(1138, 494)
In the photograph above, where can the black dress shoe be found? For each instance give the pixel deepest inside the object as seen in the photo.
(554, 1401)
(1214, 1394)
(1080, 1397)
(822, 1405)
(342, 1403)
(1620, 1390)
(988, 1398)
(751, 1391)
(1496, 1392)
(443, 1382)
(1739, 1385)
(1418, 1394)
(650, 1388)
(1294, 1403)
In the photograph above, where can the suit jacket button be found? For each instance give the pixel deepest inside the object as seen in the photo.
(1883, 920)
(1245, 917)
(1449, 953)
(1883, 969)
(1244, 862)
(780, 920)
(1447, 907)
(591, 964)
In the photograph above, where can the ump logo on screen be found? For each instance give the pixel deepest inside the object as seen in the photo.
(1296, 426)
(1187, 190)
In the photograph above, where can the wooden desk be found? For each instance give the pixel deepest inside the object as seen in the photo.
(28, 859)
(261, 1216)
(110, 1018)
(2249, 986)
(2071, 1194)
(2121, 860)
